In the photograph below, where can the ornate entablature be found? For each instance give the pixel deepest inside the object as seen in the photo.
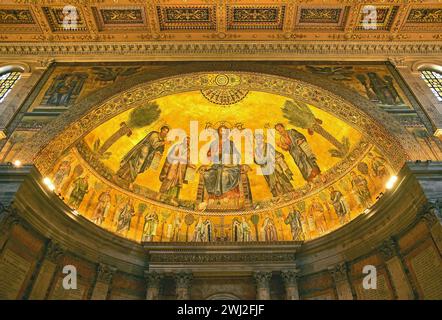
(265, 20)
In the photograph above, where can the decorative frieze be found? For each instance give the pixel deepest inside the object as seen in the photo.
(232, 49)
(221, 257)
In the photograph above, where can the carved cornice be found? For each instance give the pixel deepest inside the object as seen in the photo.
(192, 258)
(197, 50)
(105, 273)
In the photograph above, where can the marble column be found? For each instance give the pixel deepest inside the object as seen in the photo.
(47, 271)
(103, 282)
(153, 284)
(183, 282)
(262, 279)
(342, 284)
(290, 278)
(396, 270)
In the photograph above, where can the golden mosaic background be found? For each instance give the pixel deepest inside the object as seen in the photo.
(311, 200)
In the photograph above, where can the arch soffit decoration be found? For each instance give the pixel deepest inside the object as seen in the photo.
(222, 296)
(62, 133)
(435, 65)
(14, 66)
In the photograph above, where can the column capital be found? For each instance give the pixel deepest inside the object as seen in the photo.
(8, 216)
(431, 212)
(183, 282)
(105, 272)
(183, 279)
(153, 278)
(388, 249)
(289, 276)
(54, 251)
(398, 62)
(44, 63)
(262, 278)
(339, 272)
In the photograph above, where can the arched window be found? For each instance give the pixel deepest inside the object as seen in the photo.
(7, 81)
(434, 81)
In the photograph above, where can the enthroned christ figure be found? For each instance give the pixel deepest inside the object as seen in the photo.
(222, 178)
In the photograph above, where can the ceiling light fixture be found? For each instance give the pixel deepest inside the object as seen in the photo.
(17, 163)
(49, 184)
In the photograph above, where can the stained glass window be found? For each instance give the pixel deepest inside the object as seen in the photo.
(434, 81)
(7, 81)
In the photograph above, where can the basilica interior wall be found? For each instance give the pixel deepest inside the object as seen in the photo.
(403, 242)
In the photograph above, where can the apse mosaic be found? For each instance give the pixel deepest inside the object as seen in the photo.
(120, 177)
(113, 178)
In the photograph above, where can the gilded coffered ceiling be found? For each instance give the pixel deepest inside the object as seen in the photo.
(137, 22)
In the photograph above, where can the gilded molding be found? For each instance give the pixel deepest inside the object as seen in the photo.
(191, 258)
(197, 50)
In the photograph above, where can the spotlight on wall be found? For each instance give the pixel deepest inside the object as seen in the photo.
(17, 163)
(391, 182)
(75, 212)
(49, 184)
